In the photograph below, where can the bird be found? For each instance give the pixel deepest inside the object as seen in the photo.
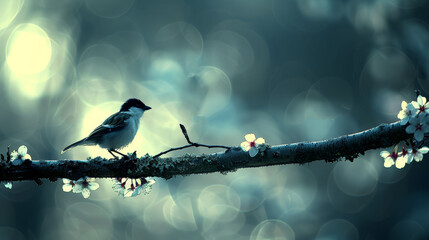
(118, 130)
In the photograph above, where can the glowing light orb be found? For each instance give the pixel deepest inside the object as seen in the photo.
(8, 11)
(28, 50)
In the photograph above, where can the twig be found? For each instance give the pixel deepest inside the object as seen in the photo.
(191, 144)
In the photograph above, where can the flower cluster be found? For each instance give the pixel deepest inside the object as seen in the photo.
(253, 145)
(406, 156)
(129, 187)
(126, 187)
(415, 114)
(17, 158)
(83, 185)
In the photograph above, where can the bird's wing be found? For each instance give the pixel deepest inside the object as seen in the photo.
(113, 123)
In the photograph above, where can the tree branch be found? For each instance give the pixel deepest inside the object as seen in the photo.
(348, 147)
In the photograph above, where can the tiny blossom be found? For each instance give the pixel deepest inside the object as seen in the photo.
(405, 114)
(7, 184)
(421, 106)
(253, 145)
(85, 186)
(389, 158)
(128, 187)
(416, 154)
(18, 158)
(69, 185)
(402, 159)
(418, 127)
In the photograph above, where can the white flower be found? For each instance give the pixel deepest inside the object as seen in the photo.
(406, 112)
(389, 158)
(416, 154)
(18, 158)
(70, 185)
(253, 145)
(7, 184)
(418, 127)
(128, 187)
(85, 185)
(402, 159)
(421, 106)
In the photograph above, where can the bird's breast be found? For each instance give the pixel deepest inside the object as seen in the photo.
(121, 138)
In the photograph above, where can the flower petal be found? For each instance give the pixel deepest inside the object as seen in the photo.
(78, 188)
(411, 107)
(86, 192)
(22, 150)
(404, 105)
(410, 158)
(404, 120)
(421, 100)
(384, 154)
(250, 137)
(260, 141)
(418, 157)
(17, 161)
(7, 185)
(418, 135)
(245, 146)
(93, 186)
(400, 163)
(388, 162)
(410, 129)
(424, 150)
(253, 152)
(14, 155)
(425, 128)
(67, 187)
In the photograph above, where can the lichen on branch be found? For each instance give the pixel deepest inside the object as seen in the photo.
(348, 147)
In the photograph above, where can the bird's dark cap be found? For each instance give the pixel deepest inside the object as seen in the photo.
(134, 102)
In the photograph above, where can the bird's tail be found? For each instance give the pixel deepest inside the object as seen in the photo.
(81, 142)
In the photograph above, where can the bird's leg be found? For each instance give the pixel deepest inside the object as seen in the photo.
(110, 151)
(123, 155)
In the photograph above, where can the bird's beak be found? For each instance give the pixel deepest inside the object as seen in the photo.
(147, 108)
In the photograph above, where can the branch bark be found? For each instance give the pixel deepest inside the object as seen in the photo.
(348, 147)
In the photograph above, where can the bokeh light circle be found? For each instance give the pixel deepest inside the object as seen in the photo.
(408, 229)
(250, 191)
(28, 49)
(338, 229)
(109, 8)
(229, 51)
(272, 229)
(8, 11)
(218, 203)
(88, 219)
(295, 189)
(355, 179)
(217, 88)
(180, 214)
(345, 202)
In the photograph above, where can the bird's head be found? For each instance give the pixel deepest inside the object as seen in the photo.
(134, 103)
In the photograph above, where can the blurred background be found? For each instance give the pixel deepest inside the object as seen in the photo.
(286, 70)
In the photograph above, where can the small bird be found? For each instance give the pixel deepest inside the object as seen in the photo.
(118, 130)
